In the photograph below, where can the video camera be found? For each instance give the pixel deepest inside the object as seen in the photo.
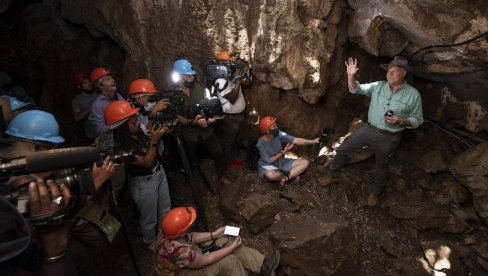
(167, 117)
(71, 166)
(226, 69)
(208, 108)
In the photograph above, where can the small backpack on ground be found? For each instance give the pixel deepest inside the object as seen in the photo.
(252, 153)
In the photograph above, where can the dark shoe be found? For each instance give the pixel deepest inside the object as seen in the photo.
(328, 180)
(270, 264)
(372, 200)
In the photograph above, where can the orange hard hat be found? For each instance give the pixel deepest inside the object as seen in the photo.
(142, 86)
(98, 73)
(224, 56)
(266, 123)
(118, 112)
(177, 221)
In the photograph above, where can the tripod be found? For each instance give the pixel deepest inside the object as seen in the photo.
(118, 215)
(190, 179)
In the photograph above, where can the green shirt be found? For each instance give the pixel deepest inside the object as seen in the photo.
(406, 103)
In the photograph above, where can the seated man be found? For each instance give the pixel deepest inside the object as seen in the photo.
(178, 254)
(272, 163)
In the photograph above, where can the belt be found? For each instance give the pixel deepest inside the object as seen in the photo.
(151, 171)
(234, 114)
(383, 131)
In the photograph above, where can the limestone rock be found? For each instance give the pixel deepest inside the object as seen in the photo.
(421, 212)
(471, 169)
(259, 211)
(231, 196)
(432, 162)
(328, 245)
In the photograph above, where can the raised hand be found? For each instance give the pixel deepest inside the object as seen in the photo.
(351, 66)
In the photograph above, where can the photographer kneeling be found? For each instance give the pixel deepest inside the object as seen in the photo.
(273, 165)
(177, 253)
(146, 177)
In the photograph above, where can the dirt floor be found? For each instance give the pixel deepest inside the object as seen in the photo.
(385, 245)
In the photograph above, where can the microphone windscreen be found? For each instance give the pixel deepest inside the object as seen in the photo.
(56, 159)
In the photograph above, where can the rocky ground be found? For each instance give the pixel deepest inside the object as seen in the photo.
(414, 214)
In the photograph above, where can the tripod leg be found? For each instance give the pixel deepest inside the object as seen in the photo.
(191, 180)
(205, 179)
(124, 233)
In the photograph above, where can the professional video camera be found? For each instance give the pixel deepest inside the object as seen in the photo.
(208, 108)
(167, 117)
(226, 69)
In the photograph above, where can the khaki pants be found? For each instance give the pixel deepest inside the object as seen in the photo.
(240, 262)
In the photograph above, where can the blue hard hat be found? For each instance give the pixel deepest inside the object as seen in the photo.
(16, 104)
(183, 67)
(35, 125)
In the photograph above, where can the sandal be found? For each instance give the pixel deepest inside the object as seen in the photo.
(284, 180)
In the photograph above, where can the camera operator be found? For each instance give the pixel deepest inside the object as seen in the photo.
(46, 252)
(177, 252)
(139, 92)
(38, 130)
(233, 103)
(197, 130)
(146, 177)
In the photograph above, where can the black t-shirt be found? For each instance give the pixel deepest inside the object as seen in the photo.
(132, 170)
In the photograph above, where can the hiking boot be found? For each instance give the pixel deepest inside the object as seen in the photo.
(328, 180)
(372, 200)
(270, 264)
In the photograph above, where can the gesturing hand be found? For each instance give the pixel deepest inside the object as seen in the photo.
(351, 66)
(288, 147)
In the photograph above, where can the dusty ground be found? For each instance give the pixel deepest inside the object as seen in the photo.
(347, 199)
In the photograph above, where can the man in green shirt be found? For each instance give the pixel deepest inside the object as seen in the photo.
(395, 105)
(197, 130)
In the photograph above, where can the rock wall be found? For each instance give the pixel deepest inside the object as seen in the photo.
(296, 48)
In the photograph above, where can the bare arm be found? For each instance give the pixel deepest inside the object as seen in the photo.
(305, 142)
(205, 236)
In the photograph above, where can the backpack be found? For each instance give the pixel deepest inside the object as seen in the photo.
(252, 153)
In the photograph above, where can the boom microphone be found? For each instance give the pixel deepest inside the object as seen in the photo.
(50, 160)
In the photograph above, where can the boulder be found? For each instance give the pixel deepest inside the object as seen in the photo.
(421, 212)
(432, 162)
(231, 196)
(471, 169)
(259, 210)
(328, 245)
